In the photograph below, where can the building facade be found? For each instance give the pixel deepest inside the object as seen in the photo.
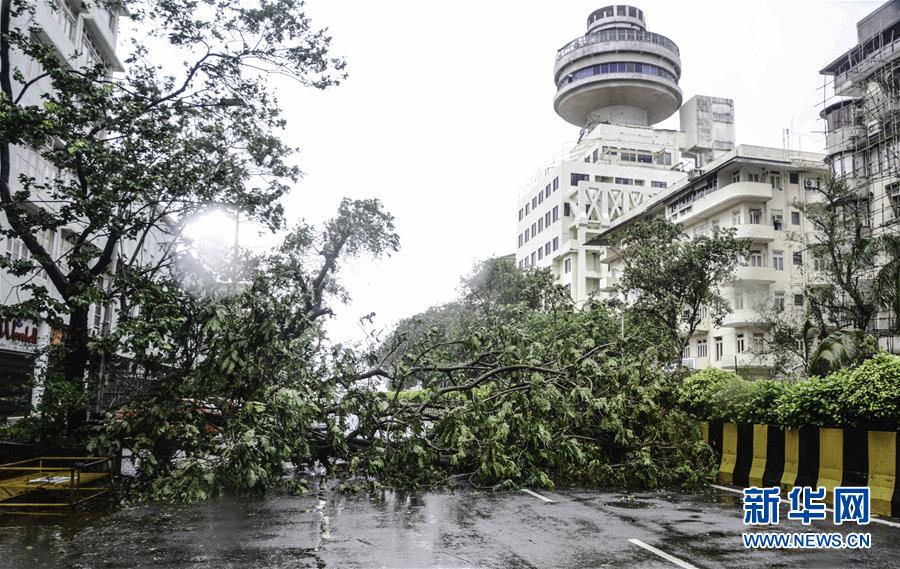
(754, 190)
(614, 83)
(82, 35)
(862, 123)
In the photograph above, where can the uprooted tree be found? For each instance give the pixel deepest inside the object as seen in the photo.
(520, 393)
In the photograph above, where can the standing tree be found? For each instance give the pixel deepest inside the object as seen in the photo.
(134, 155)
(668, 277)
(841, 241)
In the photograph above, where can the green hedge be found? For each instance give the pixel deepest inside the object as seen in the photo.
(867, 396)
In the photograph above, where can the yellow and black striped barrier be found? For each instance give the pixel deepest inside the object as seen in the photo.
(763, 455)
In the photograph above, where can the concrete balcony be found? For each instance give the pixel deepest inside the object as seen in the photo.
(731, 194)
(843, 139)
(608, 283)
(757, 274)
(742, 317)
(756, 232)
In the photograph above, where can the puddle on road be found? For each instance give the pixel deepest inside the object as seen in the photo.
(630, 504)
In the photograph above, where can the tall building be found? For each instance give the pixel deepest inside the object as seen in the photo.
(754, 190)
(862, 122)
(82, 35)
(614, 83)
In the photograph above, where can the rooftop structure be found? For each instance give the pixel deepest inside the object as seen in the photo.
(617, 72)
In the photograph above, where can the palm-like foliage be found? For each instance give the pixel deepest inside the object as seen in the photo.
(886, 287)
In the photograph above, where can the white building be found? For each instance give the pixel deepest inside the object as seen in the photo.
(614, 83)
(754, 190)
(81, 35)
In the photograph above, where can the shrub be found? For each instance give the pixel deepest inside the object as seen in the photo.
(812, 402)
(699, 390)
(871, 393)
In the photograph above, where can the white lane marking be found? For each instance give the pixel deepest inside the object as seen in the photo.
(536, 495)
(663, 554)
(871, 519)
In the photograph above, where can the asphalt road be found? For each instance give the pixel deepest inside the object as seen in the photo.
(577, 529)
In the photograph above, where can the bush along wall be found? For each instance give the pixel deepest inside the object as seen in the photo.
(841, 429)
(864, 397)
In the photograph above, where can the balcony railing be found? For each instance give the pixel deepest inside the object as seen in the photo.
(618, 35)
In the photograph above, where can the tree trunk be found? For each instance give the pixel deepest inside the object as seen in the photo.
(77, 357)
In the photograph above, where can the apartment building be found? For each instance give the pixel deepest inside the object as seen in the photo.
(614, 83)
(82, 34)
(862, 123)
(755, 190)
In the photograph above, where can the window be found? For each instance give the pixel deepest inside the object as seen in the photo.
(540, 253)
(628, 156)
(798, 300)
(638, 182)
(521, 239)
(687, 351)
(655, 184)
(756, 258)
(736, 177)
(756, 343)
(595, 155)
(547, 191)
(720, 348)
(555, 243)
(739, 301)
(567, 209)
(556, 213)
(798, 259)
(740, 344)
(540, 223)
(64, 17)
(753, 177)
(794, 178)
(547, 248)
(779, 301)
(522, 264)
(893, 193)
(703, 313)
(701, 348)
(527, 208)
(755, 216)
(775, 180)
(795, 218)
(555, 184)
(625, 181)
(736, 217)
(534, 229)
(778, 260)
(521, 214)
(664, 158)
(604, 179)
(540, 198)
(547, 219)
(534, 202)
(777, 219)
(527, 236)
(567, 266)
(575, 178)
(533, 259)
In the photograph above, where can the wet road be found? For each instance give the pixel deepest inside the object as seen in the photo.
(578, 529)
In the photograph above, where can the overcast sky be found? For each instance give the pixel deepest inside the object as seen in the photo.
(448, 111)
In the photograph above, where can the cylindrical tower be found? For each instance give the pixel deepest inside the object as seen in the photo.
(617, 72)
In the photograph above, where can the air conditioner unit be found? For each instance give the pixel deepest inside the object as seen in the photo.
(695, 173)
(812, 184)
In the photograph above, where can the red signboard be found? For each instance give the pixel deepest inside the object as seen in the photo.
(18, 331)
